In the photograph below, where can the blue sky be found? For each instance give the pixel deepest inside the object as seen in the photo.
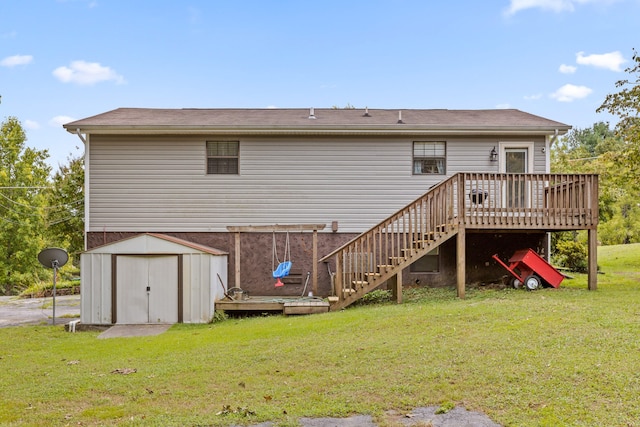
(62, 60)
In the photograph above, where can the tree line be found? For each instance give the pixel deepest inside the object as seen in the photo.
(614, 154)
(37, 209)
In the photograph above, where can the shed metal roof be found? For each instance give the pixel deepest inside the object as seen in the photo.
(175, 240)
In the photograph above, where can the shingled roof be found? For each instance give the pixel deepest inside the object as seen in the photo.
(284, 120)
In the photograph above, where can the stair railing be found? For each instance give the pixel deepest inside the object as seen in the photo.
(373, 255)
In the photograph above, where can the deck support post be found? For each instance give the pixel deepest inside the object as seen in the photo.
(237, 259)
(338, 282)
(314, 267)
(461, 261)
(394, 284)
(592, 257)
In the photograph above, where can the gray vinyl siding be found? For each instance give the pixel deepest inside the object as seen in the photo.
(159, 183)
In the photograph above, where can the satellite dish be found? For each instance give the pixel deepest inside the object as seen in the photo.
(53, 257)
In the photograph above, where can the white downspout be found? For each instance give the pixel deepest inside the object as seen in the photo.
(85, 141)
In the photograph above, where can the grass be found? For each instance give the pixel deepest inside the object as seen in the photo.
(565, 357)
(42, 289)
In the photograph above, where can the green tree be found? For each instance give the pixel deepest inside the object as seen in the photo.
(23, 177)
(590, 142)
(624, 225)
(66, 211)
(600, 150)
(626, 105)
(593, 150)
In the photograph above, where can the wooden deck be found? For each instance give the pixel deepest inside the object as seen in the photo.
(285, 305)
(465, 201)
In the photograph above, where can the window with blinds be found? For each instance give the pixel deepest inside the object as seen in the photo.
(222, 157)
(429, 157)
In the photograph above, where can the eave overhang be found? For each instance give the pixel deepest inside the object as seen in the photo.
(386, 130)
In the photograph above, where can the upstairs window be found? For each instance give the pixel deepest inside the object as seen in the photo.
(222, 157)
(429, 157)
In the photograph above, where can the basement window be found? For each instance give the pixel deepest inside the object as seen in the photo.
(429, 157)
(430, 263)
(222, 157)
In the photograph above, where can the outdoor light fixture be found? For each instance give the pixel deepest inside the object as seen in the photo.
(493, 155)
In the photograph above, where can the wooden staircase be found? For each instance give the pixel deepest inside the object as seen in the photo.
(509, 202)
(382, 252)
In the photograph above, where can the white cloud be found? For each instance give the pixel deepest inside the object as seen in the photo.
(58, 121)
(31, 124)
(9, 35)
(86, 73)
(557, 6)
(567, 69)
(533, 97)
(12, 61)
(611, 61)
(569, 92)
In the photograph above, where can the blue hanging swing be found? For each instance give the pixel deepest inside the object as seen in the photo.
(284, 267)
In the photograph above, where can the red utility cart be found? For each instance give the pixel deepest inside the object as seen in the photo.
(531, 270)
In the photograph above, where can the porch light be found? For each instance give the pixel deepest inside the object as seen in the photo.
(493, 155)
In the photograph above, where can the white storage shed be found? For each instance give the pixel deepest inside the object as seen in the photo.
(151, 278)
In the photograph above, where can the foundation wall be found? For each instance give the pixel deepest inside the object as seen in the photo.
(257, 259)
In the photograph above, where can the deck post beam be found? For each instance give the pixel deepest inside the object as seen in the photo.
(592, 257)
(461, 238)
(237, 259)
(461, 261)
(394, 284)
(314, 266)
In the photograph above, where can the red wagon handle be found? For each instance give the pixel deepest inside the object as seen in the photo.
(513, 273)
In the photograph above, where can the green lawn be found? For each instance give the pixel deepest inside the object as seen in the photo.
(544, 358)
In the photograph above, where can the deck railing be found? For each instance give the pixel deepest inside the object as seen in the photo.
(538, 201)
(471, 200)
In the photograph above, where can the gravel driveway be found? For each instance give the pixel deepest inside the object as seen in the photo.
(16, 311)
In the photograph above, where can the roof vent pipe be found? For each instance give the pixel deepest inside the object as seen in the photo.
(400, 117)
(366, 112)
(312, 113)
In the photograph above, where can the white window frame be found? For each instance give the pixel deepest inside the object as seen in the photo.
(236, 156)
(415, 158)
(503, 146)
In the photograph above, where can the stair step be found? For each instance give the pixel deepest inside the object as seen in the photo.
(349, 291)
(397, 258)
(333, 299)
(359, 282)
(372, 274)
(423, 242)
(384, 267)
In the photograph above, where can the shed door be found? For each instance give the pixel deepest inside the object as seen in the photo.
(147, 289)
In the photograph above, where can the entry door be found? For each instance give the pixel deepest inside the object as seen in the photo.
(147, 289)
(516, 161)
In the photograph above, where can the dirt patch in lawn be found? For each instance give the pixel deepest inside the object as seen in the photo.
(419, 417)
